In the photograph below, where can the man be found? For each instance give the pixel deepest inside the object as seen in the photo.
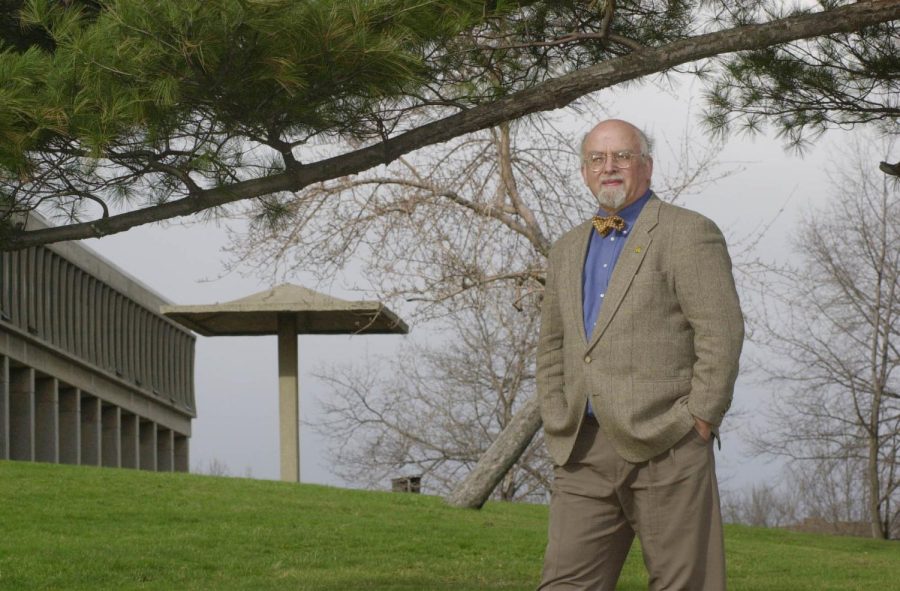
(641, 331)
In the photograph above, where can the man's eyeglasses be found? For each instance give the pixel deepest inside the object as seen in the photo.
(596, 161)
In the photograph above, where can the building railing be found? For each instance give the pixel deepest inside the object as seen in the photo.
(59, 303)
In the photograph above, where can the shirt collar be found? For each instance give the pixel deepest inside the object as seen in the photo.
(631, 212)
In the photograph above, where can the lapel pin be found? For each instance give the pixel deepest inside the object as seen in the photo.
(638, 249)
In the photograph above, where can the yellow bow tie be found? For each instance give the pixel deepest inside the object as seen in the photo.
(604, 224)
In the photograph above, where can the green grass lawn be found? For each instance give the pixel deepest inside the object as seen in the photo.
(67, 527)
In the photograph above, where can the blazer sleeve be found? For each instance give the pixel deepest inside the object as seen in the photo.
(704, 286)
(550, 369)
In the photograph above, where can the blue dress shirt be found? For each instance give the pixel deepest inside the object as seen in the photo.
(602, 254)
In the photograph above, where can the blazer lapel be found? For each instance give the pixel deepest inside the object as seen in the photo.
(630, 259)
(573, 275)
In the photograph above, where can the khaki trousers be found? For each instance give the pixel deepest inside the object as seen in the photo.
(599, 501)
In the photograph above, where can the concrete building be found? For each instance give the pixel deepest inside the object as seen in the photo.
(90, 372)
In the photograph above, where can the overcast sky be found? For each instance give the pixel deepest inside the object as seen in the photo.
(236, 380)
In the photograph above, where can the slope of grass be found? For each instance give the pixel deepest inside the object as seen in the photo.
(86, 528)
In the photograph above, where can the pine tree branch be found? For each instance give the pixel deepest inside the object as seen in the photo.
(548, 95)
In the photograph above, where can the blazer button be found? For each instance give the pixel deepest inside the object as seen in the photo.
(587, 358)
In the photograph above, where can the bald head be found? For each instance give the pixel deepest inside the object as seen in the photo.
(643, 140)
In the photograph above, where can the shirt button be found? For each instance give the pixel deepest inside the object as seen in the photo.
(612, 238)
(602, 294)
(587, 358)
(605, 265)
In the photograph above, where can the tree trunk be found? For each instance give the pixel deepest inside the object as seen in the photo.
(878, 530)
(475, 489)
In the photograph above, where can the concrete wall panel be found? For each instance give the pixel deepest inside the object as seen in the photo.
(111, 443)
(165, 450)
(130, 440)
(21, 414)
(148, 445)
(46, 436)
(91, 430)
(182, 454)
(69, 425)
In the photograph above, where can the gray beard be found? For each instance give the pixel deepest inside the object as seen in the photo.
(611, 199)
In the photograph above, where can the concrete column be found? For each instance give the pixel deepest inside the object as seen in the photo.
(288, 398)
(182, 455)
(111, 446)
(46, 399)
(21, 414)
(70, 425)
(91, 430)
(148, 445)
(130, 442)
(165, 450)
(4, 407)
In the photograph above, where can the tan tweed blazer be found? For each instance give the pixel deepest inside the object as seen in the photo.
(666, 344)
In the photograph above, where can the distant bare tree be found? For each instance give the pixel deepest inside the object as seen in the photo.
(764, 505)
(830, 497)
(213, 467)
(821, 496)
(436, 408)
(831, 324)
